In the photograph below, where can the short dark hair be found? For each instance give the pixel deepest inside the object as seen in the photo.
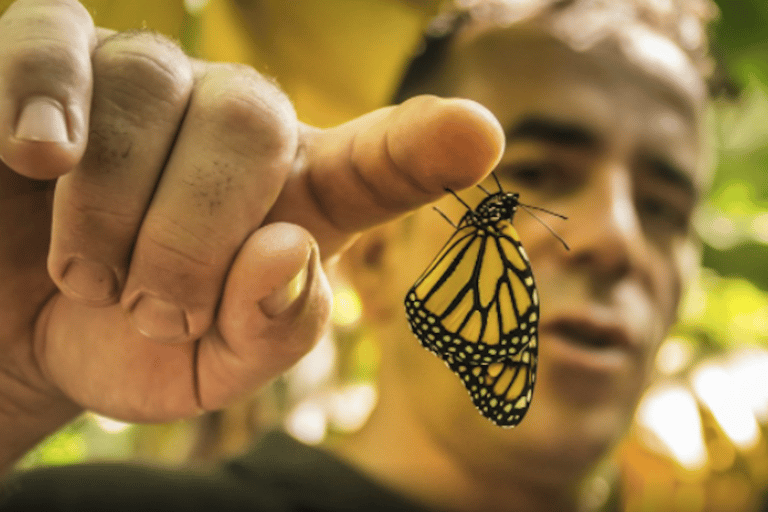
(683, 22)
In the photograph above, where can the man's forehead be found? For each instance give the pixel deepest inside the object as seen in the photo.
(638, 53)
(668, 39)
(522, 73)
(659, 56)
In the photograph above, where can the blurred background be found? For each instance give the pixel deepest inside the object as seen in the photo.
(699, 438)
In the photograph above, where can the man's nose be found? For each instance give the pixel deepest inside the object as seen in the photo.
(605, 231)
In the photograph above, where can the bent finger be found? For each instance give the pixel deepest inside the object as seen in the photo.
(142, 83)
(228, 165)
(276, 305)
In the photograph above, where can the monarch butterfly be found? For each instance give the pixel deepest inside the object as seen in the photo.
(477, 308)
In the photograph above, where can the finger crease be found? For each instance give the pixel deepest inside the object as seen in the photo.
(376, 196)
(185, 255)
(399, 171)
(314, 193)
(196, 374)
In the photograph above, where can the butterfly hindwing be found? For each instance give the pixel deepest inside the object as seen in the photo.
(502, 391)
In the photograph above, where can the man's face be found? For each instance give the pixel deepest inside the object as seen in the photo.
(616, 152)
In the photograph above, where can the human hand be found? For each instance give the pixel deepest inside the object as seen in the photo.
(178, 277)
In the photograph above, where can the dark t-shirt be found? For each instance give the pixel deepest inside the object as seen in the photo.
(279, 474)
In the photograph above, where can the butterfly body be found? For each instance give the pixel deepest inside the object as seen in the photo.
(491, 210)
(476, 307)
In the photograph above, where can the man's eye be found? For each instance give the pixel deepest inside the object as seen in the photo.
(527, 175)
(664, 215)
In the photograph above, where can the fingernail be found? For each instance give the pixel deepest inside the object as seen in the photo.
(158, 319)
(43, 120)
(282, 298)
(89, 280)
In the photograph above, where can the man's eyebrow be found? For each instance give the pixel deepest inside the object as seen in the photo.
(552, 131)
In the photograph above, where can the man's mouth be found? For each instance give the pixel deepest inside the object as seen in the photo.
(591, 334)
(586, 343)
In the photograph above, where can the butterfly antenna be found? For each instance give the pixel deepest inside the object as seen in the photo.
(487, 192)
(445, 217)
(496, 179)
(529, 212)
(459, 199)
(555, 214)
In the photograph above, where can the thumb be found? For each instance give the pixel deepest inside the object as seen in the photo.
(386, 163)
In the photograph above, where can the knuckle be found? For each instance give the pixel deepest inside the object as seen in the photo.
(72, 6)
(242, 103)
(140, 72)
(45, 62)
(47, 14)
(48, 44)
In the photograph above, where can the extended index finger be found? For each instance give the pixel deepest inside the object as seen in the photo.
(387, 163)
(45, 85)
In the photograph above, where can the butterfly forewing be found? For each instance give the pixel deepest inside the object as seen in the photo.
(477, 301)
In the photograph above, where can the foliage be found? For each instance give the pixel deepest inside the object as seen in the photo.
(733, 221)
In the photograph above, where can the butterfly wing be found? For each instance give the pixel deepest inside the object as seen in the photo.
(502, 391)
(446, 276)
(477, 301)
